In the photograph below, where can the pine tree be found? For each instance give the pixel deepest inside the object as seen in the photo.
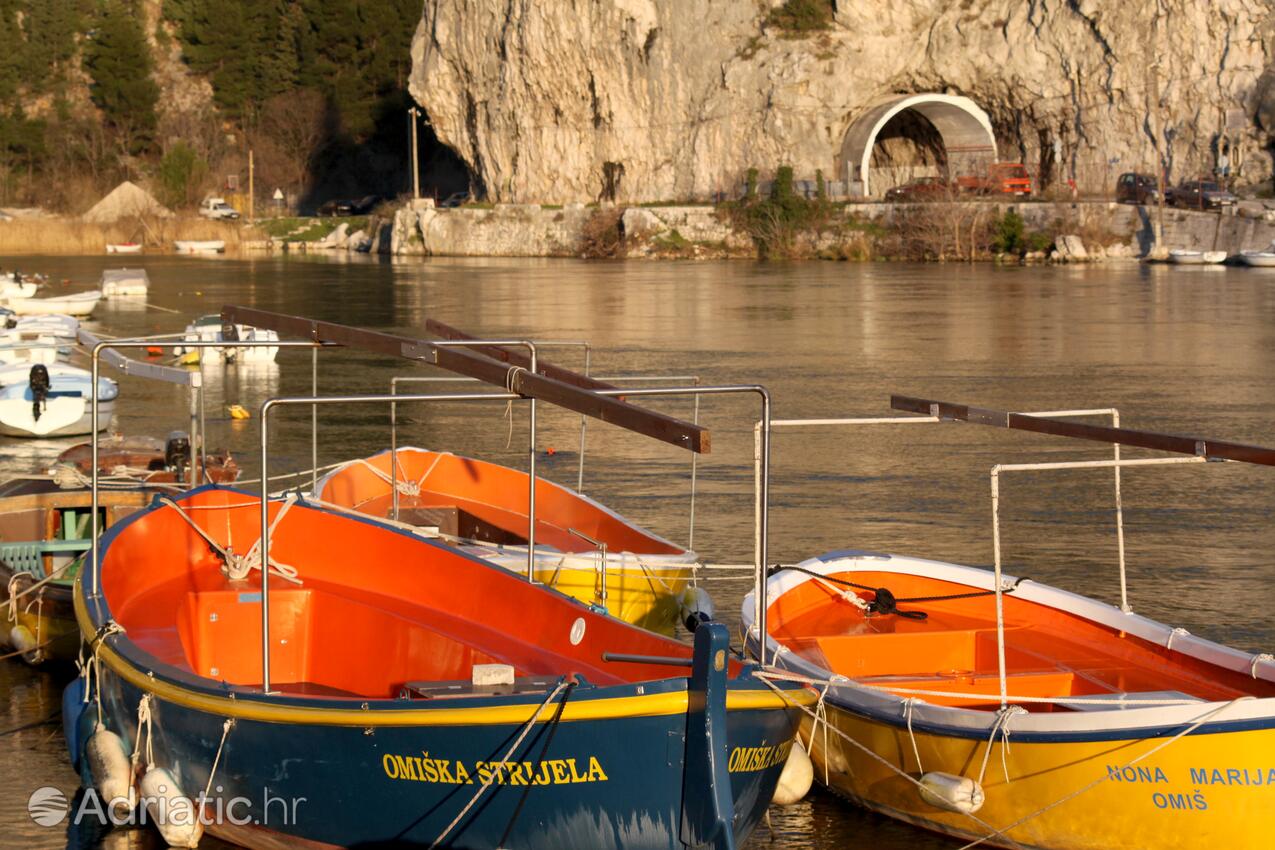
(119, 61)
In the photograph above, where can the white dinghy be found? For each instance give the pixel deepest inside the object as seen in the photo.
(200, 246)
(1264, 258)
(125, 283)
(75, 304)
(1196, 258)
(52, 400)
(124, 248)
(210, 329)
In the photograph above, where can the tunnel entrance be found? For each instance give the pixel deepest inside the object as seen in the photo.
(909, 136)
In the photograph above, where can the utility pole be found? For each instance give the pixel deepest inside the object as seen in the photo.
(416, 175)
(252, 195)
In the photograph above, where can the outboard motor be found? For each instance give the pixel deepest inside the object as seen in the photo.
(40, 385)
(177, 452)
(229, 332)
(9, 318)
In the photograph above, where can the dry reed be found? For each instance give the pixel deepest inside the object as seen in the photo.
(23, 236)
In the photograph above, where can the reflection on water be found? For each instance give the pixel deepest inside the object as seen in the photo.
(1174, 348)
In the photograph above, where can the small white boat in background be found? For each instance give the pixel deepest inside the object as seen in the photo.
(1258, 259)
(125, 283)
(52, 400)
(12, 287)
(124, 248)
(75, 304)
(1196, 258)
(16, 347)
(209, 329)
(57, 325)
(197, 246)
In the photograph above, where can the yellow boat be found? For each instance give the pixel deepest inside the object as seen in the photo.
(44, 531)
(583, 549)
(1100, 729)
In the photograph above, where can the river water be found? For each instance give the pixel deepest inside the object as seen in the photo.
(1174, 349)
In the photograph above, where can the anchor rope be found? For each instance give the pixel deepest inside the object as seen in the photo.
(225, 733)
(886, 601)
(144, 727)
(873, 755)
(13, 579)
(491, 778)
(1105, 777)
(553, 729)
(110, 627)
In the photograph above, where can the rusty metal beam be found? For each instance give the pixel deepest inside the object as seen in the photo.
(517, 358)
(571, 396)
(1174, 443)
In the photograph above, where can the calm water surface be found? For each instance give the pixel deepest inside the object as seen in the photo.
(1175, 349)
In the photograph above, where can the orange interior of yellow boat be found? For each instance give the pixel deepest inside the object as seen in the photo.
(376, 608)
(1049, 652)
(487, 502)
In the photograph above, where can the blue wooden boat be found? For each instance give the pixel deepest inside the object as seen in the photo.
(413, 695)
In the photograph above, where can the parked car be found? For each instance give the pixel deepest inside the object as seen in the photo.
(365, 204)
(455, 199)
(336, 207)
(921, 189)
(1200, 195)
(1133, 188)
(217, 208)
(1002, 178)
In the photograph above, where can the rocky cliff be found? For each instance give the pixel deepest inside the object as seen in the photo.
(640, 100)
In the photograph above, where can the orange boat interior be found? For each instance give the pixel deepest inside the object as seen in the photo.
(485, 501)
(1048, 652)
(376, 609)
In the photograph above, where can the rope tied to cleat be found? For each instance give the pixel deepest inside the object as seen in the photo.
(884, 601)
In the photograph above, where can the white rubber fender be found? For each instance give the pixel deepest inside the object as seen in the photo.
(796, 778)
(170, 810)
(111, 771)
(953, 793)
(21, 639)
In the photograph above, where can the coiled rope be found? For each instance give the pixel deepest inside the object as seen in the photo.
(885, 602)
(235, 566)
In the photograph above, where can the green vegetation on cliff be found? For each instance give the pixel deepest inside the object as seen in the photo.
(316, 88)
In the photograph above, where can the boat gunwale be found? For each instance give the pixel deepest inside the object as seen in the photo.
(649, 697)
(682, 558)
(882, 705)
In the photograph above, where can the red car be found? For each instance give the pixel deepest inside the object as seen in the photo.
(921, 189)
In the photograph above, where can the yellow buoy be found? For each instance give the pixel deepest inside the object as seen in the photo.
(238, 411)
(190, 358)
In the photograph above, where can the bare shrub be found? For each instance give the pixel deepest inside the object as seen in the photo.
(601, 237)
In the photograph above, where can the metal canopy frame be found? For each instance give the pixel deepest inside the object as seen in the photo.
(1194, 450)
(512, 378)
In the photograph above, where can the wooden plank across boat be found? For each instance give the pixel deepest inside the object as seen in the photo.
(419, 695)
(584, 549)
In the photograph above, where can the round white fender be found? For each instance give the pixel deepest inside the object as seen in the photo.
(111, 771)
(953, 793)
(21, 639)
(697, 607)
(173, 812)
(796, 778)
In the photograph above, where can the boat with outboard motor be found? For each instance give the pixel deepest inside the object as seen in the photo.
(125, 283)
(583, 548)
(210, 328)
(149, 460)
(52, 399)
(417, 694)
(44, 532)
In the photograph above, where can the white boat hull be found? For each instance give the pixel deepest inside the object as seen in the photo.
(1258, 259)
(79, 304)
(127, 248)
(125, 283)
(206, 246)
(67, 409)
(232, 353)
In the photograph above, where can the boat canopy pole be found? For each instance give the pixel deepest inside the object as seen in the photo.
(1177, 444)
(572, 394)
(108, 350)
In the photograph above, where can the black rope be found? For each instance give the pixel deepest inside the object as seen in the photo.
(553, 728)
(886, 602)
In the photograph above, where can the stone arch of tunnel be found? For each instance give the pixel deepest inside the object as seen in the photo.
(962, 126)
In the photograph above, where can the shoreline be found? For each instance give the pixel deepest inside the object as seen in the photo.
(1064, 232)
